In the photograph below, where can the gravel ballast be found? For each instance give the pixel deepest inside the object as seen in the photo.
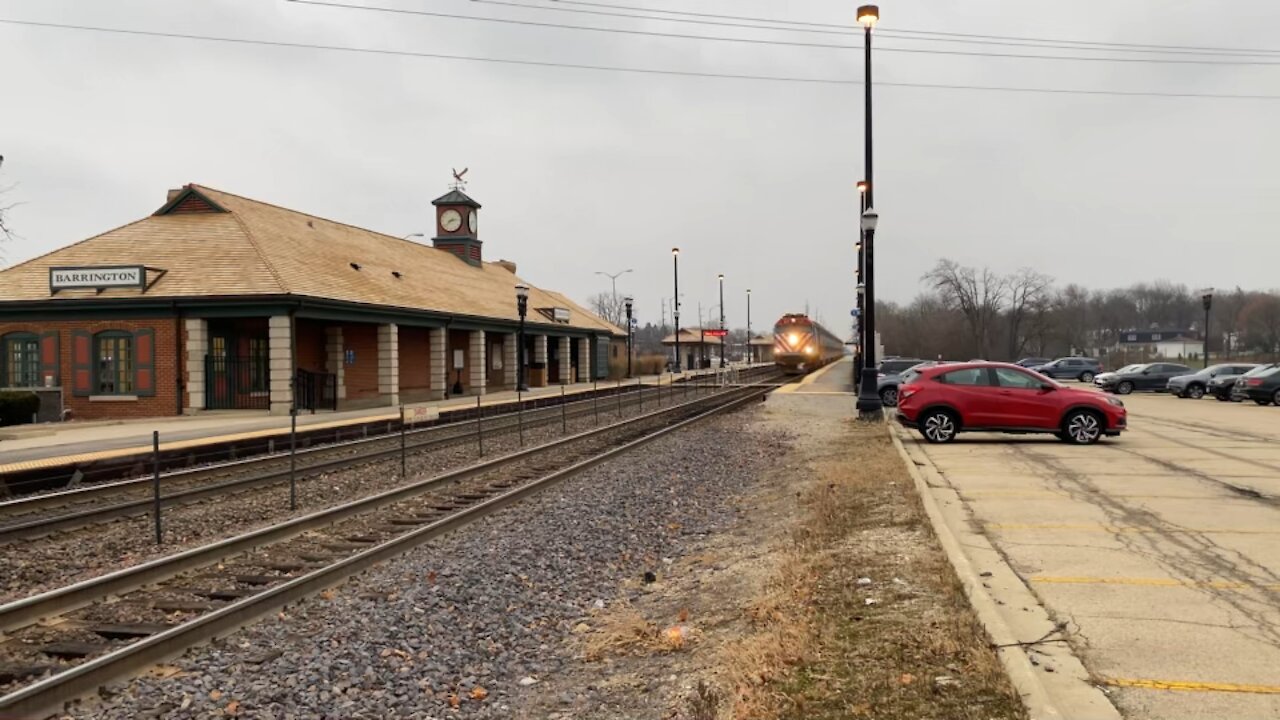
(469, 625)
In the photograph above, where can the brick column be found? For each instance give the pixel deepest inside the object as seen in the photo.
(510, 360)
(478, 368)
(197, 349)
(540, 356)
(280, 354)
(439, 379)
(584, 359)
(335, 355)
(565, 367)
(389, 364)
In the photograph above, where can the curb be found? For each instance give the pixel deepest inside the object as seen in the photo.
(1026, 680)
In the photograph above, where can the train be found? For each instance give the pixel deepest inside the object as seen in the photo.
(801, 345)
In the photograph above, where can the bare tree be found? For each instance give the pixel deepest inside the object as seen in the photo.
(1029, 293)
(1073, 319)
(1262, 323)
(610, 307)
(978, 295)
(6, 230)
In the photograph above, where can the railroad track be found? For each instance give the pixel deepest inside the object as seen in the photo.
(91, 632)
(40, 515)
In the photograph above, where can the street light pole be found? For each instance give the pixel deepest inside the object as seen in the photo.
(862, 338)
(869, 406)
(722, 337)
(675, 312)
(1206, 297)
(751, 353)
(522, 306)
(613, 277)
(630, 334)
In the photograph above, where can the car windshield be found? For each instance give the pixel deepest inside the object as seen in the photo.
(1262, 370)
(1268, 372)
(1128, 368)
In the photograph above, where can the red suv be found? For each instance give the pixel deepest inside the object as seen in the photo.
(944, 400)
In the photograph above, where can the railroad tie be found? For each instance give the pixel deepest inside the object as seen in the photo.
(13, 673)
(72, 650)
(128, 632)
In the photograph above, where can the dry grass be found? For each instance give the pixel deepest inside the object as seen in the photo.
(625, 631)
(818, 650)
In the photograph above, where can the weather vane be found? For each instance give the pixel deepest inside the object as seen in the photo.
(458, 182)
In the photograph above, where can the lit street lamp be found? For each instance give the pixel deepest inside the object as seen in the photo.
(630, 333)
(522, 306)
(869, 406)
(675, 313)
(722, 337)
(1206, 297)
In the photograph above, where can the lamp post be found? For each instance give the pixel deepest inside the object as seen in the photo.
(630, 333)
(722, 337)
(1206, 297)
(522, 305)
(613, 277)
(857, 248)
(869, 407)
(751, 354)
(675, 312)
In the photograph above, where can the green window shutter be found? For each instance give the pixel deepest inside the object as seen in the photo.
(49, 367)
(82, 379)
(144, 367)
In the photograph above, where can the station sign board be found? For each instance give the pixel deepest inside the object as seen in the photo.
(414, 414)
(97, 278)
(715, 333)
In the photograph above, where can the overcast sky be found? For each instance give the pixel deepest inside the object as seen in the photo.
(582, 171)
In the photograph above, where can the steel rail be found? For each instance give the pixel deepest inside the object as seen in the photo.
(38, 526)
(50, 694)
(23, 612)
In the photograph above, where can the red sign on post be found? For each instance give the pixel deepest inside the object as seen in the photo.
(715, 333)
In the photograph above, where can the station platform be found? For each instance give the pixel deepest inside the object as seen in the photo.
(834, 379)
(26, 448)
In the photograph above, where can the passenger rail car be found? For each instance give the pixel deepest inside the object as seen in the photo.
(801, 345)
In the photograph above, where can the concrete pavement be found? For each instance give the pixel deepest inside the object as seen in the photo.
(1160, 549)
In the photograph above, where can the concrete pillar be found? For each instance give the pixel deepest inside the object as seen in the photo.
(335, 358)
(510, 360)
(565, 367)
(540, 356)
(584, 359)
(280, 362)
(439, 373)
(479, 366)
(197, 349)
(389, 364)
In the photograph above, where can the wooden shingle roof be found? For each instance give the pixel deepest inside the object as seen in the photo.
(254, 248)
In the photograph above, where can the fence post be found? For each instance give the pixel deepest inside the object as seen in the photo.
(659, 390)
(619, 399)
(520, 415)
(595, 399)
(293, 460)
(640, 394)
(564, 416)
(404, 472)
(480, 426)
(155, 481)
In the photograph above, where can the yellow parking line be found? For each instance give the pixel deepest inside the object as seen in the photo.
(1146, 582)
(1191, 686)
(1089, 527)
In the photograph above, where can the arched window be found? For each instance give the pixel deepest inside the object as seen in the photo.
(20, 364)
(113, 363)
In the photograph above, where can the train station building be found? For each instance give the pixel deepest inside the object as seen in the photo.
(217, 301)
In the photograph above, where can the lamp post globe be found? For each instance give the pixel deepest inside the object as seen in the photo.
(522, 307)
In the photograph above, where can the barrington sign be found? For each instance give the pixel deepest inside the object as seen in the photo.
(98, 278)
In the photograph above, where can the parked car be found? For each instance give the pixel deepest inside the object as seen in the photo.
(887, 378)
(887, 385)
(1033, 362)
(1151, 376)
(945, 400)
(1071, 368)
(1261, 385)
(1102, 378)
(1196, 385)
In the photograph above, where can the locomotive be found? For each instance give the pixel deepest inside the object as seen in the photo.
(801, 345)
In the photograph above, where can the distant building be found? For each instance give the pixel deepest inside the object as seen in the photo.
(1169, 344)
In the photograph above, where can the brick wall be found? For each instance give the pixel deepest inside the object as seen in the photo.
(309, 348)
(415, 356)
(362, 375)
(165, 400)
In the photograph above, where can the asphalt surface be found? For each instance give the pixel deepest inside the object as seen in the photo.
(1161, 548)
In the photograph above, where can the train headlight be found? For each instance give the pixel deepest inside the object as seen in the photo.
(809, 350)
(792, 339)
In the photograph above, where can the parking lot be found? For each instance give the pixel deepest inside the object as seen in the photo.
(1160, 548)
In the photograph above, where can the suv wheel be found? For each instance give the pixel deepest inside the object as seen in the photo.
(1081, 427)
(1195, 391)
(1221, 397)
(1276, 398)
(1124, 388)
(889, 397)
(938, 426)
(1086, 376)
(1263, 402)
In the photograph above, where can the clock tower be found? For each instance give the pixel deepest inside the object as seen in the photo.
(456, 230)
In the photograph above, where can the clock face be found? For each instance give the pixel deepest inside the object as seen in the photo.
(450, 220)
(471, 221)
